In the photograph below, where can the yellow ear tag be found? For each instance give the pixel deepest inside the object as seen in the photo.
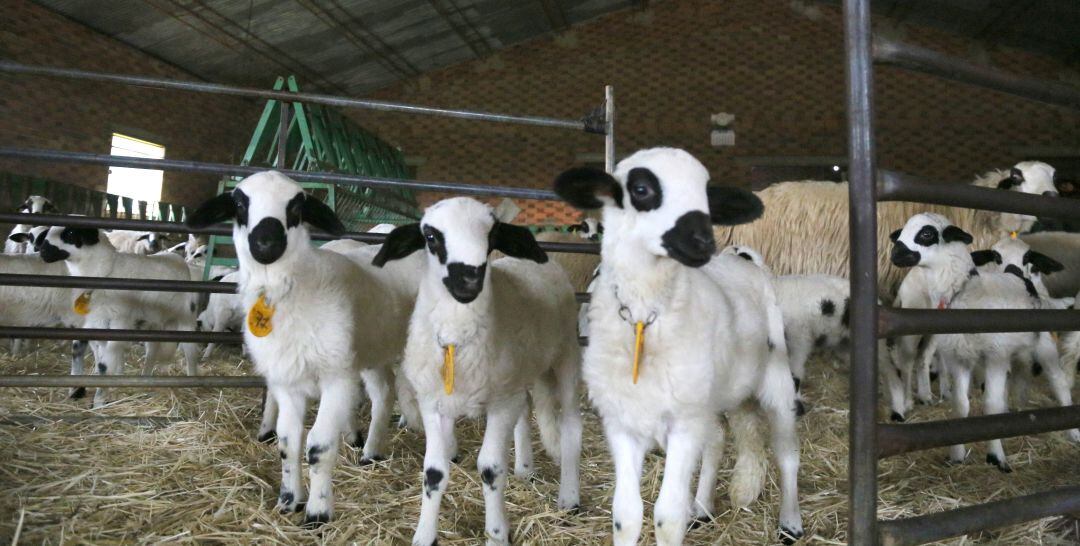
(82, 304)
(639, 347)
(259, 316)
(1012, 234)
(448, 369)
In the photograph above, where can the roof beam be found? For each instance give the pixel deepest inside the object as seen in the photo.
(478, 44)
(387, 56)
(555, 16)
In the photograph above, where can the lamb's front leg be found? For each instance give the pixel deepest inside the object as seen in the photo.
(110, 363)
(569, 435)
(268, 426)
(710, 464)
(377, 384)
(995, 400)
(438, 433)
(337, 403)
(491, 463)
(628, 453)
(78, 356)
(961, 384)
(1046, 351)
(292, 405)
(672, 512)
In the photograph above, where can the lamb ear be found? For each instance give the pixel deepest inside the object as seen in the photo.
(1015, 178)
(1041, 263)
(516, 241)
(587, 187)
(218, 209)
(20, 237)
(895, 236)
(318, 214)
(983, 257)
(401, 242)
(952, 234)
(733, 206)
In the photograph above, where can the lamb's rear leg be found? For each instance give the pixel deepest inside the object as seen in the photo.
(961, 406)
(799, 351)
(337, 403)
(1060, 381)
(523, 451)
(110, 363)
(567, 376)
(377, 384)
(779, 405)
(994, 402)
(710, 464)
(627, 509)
(751, 461)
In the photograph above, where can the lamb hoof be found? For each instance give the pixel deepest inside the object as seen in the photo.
(949, 461)
(456, 459)
(365, 461)
(896, 417)
(77, 393)
(314, 521)
(287, 503)
(933, 376)
(267, 437)
(800, 408)
(699, 521)
(789, 536)
(358, 442)
(1001, 465)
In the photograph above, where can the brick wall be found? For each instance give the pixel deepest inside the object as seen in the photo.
(81, 116)
(778, 69)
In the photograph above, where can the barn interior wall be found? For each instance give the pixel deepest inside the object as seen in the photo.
(777, 65)
(39, 112)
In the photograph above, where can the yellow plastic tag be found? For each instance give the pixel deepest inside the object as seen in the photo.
(82, 304)
(1012, 234)
(639, 347)
(448, 369)
(259, 316)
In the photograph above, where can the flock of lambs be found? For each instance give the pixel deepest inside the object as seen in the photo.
(461, 315)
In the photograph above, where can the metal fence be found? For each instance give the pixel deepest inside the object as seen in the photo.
(869, 440)
(600, 120)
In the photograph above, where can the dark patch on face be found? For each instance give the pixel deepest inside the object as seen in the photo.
(1012, 269)
(314, 454)
(464, 281)
(845, 317)
(293, 210)
(267, 241)
(432, 478)
(746, 257)
(691, 241)
(242, 203)
(821, 341)
(436, 242)
(50, 253)
(644, 189)
(927, 236)
(77, 237)
(488, 475)
(828, 308)
(102, 368)
(902, 256)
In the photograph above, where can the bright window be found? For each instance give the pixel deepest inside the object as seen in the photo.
(138, 184)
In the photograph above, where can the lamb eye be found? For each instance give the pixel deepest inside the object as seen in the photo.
(640, 190)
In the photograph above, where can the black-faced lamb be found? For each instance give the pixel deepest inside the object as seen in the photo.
(678, 335)
(500, 331)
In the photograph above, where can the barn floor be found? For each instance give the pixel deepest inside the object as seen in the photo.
(203, 478)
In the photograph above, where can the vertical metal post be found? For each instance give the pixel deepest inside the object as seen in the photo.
(862, 421)
(609, 129)
(283, 135)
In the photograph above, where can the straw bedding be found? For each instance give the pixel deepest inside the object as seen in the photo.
(200, 477)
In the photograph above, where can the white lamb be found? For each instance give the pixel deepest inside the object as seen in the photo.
(88, 254)
(35, 204)
(223, 313)
(316, 321)
(678, 336)
(930, 242)
(134, 242)
(495, 345)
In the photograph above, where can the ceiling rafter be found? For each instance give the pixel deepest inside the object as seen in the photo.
(478, 44)
(555, 16)
(366, 38)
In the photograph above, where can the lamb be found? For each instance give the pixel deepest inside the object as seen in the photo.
(134, 242)
(35, 204)
(316, 322)
(666, 354)
(1064, 247)
(222, 313)
(495, 345)
(805, 225)
(931, 242)
(1031, 264)
(87, 253)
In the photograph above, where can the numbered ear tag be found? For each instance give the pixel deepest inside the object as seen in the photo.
(82, 304)
(259, 316)
(448, 369)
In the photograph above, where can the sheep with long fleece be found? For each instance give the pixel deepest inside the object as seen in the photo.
(805, 225)
(87, 253)
(35, 204)
(315, 321)
(678, 336)
(932, 243)
(497, 345)
(134, 242)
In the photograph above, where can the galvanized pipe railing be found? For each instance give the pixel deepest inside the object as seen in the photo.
(898, 439)
(928, 61)
(894, 322)
(110, 334)
(142, 381)
(894, 186)
(285, 96)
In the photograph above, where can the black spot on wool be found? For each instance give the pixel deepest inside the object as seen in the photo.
(821, 341)
(845, 317)
(432, 477)
(102, 368)
(488, 475)
(828, 308)
(314, 454)
(1012, 269)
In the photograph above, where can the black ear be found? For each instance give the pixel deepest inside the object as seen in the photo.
(401, 242)
(1041, 263)
(894, 236)
(1015, 178)
(516, 241)
(952, 234)
(583, 187)
(20, 237)
(983, 257)
(143, 237)
(49, 207)
(218, 209)
(320, 215)
(80, 236)
(733, 206)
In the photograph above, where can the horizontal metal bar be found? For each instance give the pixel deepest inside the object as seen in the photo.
(981, 517)
(154, 285)
(310, 98)
(226, 229)
(893, 322)
(77, 418)
(931, 62)
(896, 439)
(104, 334)
(224, 169)
(147, 381)
(894, 186)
